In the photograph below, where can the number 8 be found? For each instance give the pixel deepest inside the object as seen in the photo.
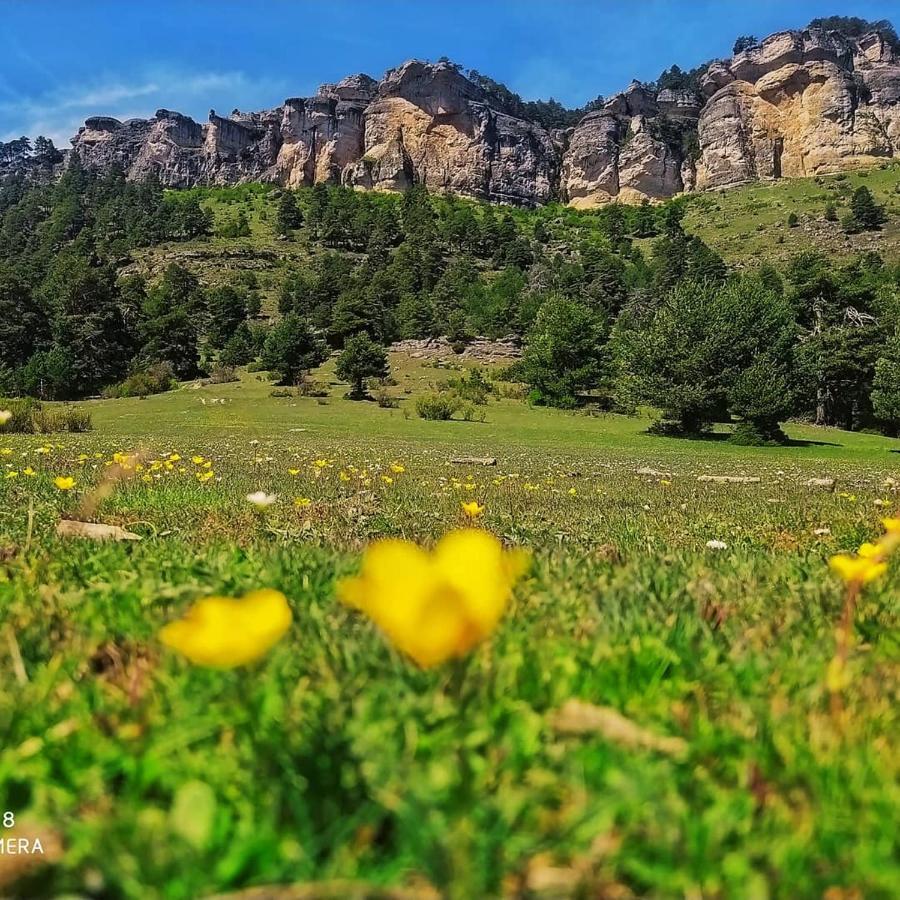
(9, 819)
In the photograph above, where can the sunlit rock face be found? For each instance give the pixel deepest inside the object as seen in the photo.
(798, 103)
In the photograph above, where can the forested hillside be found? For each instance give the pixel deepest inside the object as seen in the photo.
(121, 287)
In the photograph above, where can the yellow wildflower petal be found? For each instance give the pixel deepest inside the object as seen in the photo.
(223, 632)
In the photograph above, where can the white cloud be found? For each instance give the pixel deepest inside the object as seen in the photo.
(59, 113)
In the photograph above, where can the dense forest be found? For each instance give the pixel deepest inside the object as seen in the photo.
(616, 308)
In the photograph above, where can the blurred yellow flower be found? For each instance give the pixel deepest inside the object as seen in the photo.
(5, 416)
(856, 569)
(64, 482)
(436, 606)
(472, 509)
(397, 469)
(203, 477)
(387, 479)
(42, 450)
(223, 632)
(891, 526)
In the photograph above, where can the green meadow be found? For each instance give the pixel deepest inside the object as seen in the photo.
(711, 761)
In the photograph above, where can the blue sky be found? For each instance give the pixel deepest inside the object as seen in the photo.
(62, 60)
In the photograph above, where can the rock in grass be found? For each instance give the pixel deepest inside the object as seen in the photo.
(730, 479)
(823, 484)
(577, 717)
(93, 531)
(651, 473)
(475, 460)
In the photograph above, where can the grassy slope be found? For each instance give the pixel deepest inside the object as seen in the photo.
(334, 759)
(749, 223)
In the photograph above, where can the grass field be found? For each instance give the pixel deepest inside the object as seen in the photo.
(337, 766)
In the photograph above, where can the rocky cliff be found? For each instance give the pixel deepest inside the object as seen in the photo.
(798, 103)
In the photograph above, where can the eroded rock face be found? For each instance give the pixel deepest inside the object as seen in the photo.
(632, 149)
(431, 124)
(800, 103)
(422, 123)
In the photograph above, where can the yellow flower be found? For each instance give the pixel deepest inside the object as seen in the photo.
(64, 482)
(293, 472)
(665, 482)
(12, 474)
(860, 569)
(472, 509)
(29, 472)
(891, 526)
(387, 479)
(397, 469)
(344, 476)
(5, 416)
(203, 477)
(572, 492)
(198, 460)
(42, 450)
(223, 632)
(301, 502)
(436, 606)
(6, 451)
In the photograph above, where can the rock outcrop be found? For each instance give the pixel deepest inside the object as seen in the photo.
(632, 148)
(798, 103)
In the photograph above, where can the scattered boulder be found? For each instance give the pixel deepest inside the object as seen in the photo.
(824, 484)
(730, 479)
(475, 460)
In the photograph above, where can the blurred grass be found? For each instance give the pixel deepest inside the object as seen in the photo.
(336, 759)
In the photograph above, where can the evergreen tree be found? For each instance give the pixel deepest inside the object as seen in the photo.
(563, 353)
(289, 216)
(865, 214)
(361, 360)
(292, 348)
(227, 310)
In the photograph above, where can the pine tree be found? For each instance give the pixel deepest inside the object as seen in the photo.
(289, 216)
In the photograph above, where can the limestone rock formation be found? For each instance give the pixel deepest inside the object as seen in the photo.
(632, 149)
(798, 103)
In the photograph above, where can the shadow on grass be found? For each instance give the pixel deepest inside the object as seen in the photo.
(720, 437)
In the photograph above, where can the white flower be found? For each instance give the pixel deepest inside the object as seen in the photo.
(716, 545)
(261, 498)
(821, 531)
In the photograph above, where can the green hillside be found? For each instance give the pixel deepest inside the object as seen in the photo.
(749, 223)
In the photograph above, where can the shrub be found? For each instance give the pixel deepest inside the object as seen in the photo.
(385, 400)
(437, 407)
(156, 379)
(222, 374)
(32, 417)
(68, 418)
(22, 421)
(473, 387)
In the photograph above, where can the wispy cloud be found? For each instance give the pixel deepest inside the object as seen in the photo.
(59, 112)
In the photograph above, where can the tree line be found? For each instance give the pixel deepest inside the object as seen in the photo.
(619, 307)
